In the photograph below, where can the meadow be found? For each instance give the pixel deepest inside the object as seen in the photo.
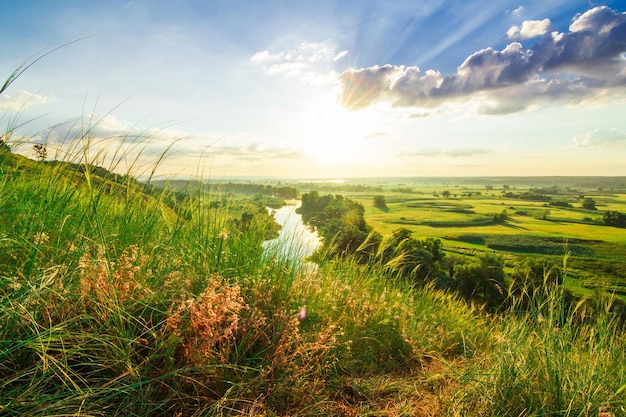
(119, 298)
(539, 218)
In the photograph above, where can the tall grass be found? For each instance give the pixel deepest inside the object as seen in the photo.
(115, 301)
(551, 356)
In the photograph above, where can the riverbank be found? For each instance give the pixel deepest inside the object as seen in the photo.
(295, 241)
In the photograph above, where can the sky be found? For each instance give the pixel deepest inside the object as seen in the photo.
(319, 89)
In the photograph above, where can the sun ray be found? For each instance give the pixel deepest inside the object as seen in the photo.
(336, 136)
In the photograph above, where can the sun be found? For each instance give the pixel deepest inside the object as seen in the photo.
(335, 136)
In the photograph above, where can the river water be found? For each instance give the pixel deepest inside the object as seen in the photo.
(295, 240)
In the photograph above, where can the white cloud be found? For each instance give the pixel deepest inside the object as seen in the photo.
(286, 68)
(599, 19)
(256, 152)
(315, 78)
(529, 29)
(515, 12)
(22, 100)
(601, 138)
(377, 134)
(340, 55)
(450, 152)
(310, 62)
(265, 56)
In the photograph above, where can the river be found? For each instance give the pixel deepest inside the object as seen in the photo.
(295, 240)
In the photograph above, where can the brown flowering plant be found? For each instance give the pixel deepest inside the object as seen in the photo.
(206, 325)
(103, 281)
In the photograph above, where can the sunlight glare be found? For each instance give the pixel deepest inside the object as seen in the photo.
(336, 136)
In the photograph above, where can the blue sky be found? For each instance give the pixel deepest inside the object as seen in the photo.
(325, 88)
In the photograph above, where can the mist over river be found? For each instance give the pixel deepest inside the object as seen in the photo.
(295, 239)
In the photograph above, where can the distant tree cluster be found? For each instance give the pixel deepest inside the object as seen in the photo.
(341, 223)
(252, 188)
(545, 190)
(614, 218)
(404, 190)
(528, 195)
(379, 201)
(589, 204)
(333, 187)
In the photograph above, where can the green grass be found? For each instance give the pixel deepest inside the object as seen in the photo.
(545, 362)
(120, 299)
(113, 302)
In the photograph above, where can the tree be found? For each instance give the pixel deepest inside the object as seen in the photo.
(533, 274)
(40, 152)
(501, 217)
(614, 218)
(379, 201)
(413, 258)
(4, 146)
(589, 204)
(341, 223)
(482, 281)
(446, 194)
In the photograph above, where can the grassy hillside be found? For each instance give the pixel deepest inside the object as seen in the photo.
(115, 301)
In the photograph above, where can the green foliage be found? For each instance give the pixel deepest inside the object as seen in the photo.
(529, 196)
(501, 217)
(411, 258)
(543, 361)
(114, 302)
(339, 221)
(614, 218)
(379, 201)
(589, 204)
(40, 151)
(560, 204)
(482, 282)
(4, 147)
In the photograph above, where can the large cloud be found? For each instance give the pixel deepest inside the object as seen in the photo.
(572, 67)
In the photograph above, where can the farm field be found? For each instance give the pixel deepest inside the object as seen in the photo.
(514, 222)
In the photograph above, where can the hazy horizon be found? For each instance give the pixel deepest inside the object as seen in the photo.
(326, 89)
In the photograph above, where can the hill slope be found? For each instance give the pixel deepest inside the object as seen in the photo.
(111, 303)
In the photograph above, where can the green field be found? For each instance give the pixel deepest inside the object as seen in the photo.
(463, 218)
